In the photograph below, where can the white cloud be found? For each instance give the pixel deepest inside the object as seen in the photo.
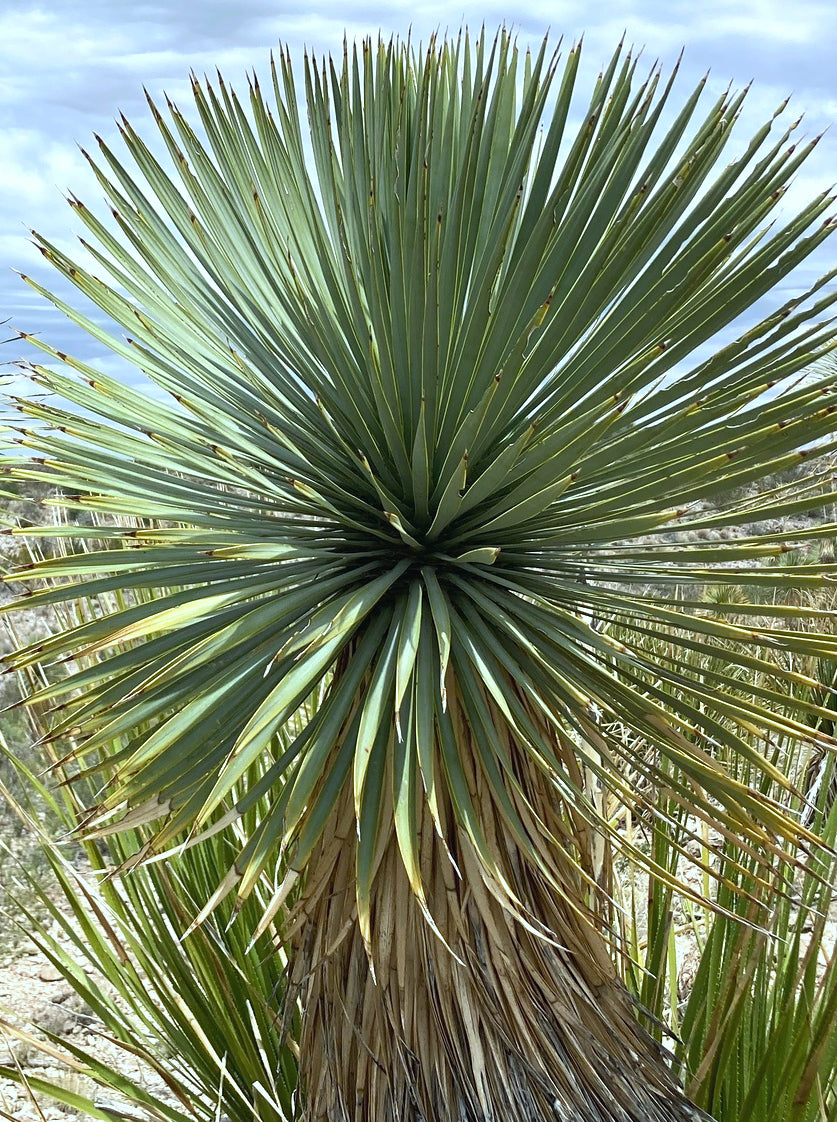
(35, 169)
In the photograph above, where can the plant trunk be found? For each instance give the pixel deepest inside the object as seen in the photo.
(488, 1019)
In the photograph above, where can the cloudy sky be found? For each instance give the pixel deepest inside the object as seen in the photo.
(68, 66)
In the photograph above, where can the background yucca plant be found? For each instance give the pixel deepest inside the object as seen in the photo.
(198, 1023)
(433, 426)
(200, 1018)
(758, 1019)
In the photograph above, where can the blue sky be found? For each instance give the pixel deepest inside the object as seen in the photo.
(67, 67)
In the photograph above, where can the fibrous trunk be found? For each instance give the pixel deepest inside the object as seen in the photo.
(489, 1017)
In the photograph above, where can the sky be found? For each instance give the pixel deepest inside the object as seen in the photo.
(68, 67)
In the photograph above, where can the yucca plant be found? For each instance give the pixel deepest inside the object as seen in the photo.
(759, 1019)
(759, 1025)
(432, 420)
(199, 1017)
(195, 1021)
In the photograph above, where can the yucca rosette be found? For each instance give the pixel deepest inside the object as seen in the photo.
(435, 429)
